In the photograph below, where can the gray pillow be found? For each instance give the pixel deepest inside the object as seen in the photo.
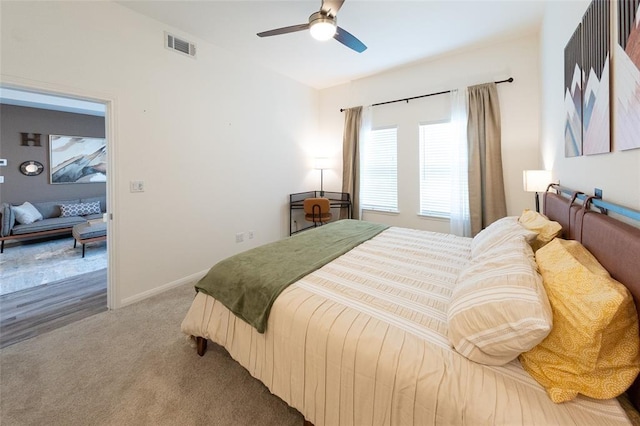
(51, 209)
(102, 200)
(80, 209)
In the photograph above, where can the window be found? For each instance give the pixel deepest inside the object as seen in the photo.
(436, 142)
(379, 171)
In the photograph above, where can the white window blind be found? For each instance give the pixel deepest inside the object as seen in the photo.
(379, 171)
(436, 141)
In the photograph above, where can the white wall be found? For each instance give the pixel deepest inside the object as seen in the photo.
(616, 173)
(519, 104)
(218, 141)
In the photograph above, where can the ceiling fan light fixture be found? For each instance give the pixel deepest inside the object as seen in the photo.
(322, 27)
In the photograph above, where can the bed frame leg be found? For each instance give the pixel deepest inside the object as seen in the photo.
(201, 345)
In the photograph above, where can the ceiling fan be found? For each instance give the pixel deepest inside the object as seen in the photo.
(323, 26)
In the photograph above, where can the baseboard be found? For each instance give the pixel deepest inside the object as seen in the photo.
(145, 295)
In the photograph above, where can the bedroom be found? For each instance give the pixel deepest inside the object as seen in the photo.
(180, 174)
(222, 101)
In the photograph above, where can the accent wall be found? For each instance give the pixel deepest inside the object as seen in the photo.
(616, 173)
(17, 187)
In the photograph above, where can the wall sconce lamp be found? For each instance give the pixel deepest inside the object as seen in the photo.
(536, 181)
(321, 163)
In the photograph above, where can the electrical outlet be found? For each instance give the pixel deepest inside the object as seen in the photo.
(250, 234)
(136, 186)
(239, 237)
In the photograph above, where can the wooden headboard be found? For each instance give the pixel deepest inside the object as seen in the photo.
(615, 244)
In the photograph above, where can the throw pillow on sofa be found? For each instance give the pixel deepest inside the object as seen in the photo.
(26, 213)
(80, 209)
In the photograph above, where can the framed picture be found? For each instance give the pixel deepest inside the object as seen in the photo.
(77, 159)
(573, 95)
(596, 122)
(627, 75)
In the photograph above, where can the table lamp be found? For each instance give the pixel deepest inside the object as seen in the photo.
(321, 163)
(536, 181)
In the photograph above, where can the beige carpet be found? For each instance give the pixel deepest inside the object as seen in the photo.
(132, 366)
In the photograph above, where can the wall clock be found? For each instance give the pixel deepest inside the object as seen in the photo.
(31, 168)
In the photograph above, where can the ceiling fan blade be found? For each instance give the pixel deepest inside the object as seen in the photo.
(284, 30)
(349, 40)
(331, 7)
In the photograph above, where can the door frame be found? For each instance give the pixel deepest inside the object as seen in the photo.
(109, 102)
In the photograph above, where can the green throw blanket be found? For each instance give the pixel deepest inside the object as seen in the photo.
(249, 282)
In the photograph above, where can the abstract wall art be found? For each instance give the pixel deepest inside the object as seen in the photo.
(627, 76)
(573, 95)
(76, 159)
(596, 116)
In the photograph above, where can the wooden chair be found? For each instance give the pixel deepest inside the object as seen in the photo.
(317, 210)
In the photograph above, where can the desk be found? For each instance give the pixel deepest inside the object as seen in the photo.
(338, 200)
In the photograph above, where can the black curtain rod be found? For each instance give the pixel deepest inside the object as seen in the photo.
(509, 80)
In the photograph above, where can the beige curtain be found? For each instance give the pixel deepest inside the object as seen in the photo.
(351, 159)
(487, 201)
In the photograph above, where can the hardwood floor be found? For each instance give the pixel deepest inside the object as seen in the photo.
(28, 313)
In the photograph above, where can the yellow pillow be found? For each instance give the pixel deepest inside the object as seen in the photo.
(593, 346)
(546, 229)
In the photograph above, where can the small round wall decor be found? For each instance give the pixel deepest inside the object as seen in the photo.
(31, 168)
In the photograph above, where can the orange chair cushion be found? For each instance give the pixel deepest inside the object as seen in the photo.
(324, 215)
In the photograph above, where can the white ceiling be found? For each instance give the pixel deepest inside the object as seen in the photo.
(396, 32)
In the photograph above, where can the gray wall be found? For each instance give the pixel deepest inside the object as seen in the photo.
(17, 187)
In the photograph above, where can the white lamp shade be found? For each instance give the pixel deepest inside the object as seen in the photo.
(536, 180)
(321, 163)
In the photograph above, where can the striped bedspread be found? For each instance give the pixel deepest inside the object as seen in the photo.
(363, 341)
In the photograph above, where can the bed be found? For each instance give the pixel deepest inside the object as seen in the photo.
(367, 338)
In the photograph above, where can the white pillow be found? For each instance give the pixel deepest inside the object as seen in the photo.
(499, 307)
(26, 213)
(498, 233)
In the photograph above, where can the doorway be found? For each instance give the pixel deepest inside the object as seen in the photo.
(92, 273)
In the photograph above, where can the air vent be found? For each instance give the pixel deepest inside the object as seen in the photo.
(179, 45)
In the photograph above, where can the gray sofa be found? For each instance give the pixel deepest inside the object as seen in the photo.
(51, 222)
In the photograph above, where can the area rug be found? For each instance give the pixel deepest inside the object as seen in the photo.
(33, 263)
